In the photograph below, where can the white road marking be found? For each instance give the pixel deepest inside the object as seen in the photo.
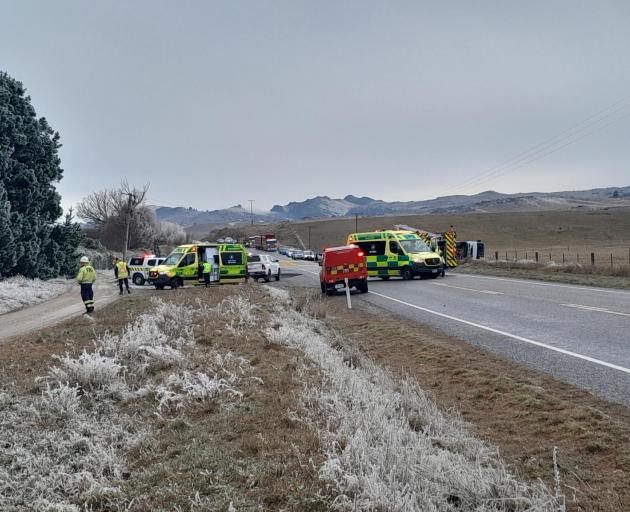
(509, 335)
(490, 292)
(595, 309)
(539, 283)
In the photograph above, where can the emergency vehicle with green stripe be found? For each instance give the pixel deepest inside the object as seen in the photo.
(397, 254)
(185, 265)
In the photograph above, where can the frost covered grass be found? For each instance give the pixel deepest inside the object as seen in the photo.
(19, 292)
(66, 449)
(387, 444)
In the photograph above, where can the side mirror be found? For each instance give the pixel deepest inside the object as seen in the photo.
(276, 261)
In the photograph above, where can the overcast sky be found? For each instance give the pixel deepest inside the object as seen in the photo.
(215, 103)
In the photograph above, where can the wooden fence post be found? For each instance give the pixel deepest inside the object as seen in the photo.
(592, 258)
(496, 255)
(536, 256)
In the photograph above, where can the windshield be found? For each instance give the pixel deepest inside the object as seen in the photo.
(253, 258)
(414, 246)
(172, 258)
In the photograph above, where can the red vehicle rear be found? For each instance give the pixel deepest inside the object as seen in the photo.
(341, 263)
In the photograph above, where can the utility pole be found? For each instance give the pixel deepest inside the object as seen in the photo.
(309, 238)
(356, 223)
(251, 210)
(128, 216)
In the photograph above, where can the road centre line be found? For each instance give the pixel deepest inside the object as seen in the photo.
(489, 292)
(595, 309)
(509, 335)
(539, 283)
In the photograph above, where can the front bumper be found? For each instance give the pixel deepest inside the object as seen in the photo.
(422, 269)
(160, 280)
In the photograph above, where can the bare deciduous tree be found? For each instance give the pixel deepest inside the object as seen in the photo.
(120, 205)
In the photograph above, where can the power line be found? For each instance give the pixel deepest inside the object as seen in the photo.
(548, 146)
(554, 150)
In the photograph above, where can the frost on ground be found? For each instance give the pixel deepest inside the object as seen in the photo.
(66, 449)
(388, 446)
(19, 292)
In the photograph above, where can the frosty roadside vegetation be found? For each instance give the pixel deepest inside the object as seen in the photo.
(387, 444)
(19, 292)
(65, 450)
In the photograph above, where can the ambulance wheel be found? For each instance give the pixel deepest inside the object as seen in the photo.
(138, 279)
(268, 277)
(407, 273)
(159, 286)
(278, 275)
(176, 282)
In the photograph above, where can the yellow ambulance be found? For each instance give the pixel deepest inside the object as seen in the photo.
(397, 254)
(185, 264)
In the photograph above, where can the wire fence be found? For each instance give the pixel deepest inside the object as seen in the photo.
(616, 257)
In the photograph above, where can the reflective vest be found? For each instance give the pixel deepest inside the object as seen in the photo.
(123, 270)
(86, 275)
(207, 267)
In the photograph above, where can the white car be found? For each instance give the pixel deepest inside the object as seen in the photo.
(309, 255)
(262, 266)
(139, 267)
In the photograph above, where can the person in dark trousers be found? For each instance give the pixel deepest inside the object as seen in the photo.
(86, 278)
(207, 270)
(121, 271)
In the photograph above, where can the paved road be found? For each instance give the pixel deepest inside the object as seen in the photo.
(578, 334)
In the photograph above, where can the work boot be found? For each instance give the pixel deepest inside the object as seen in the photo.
(128, 290)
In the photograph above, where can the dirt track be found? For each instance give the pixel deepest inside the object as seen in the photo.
(55, 310)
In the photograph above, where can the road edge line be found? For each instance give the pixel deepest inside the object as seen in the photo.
(509, 335)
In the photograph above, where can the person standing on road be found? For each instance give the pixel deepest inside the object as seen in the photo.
(207, 272)
(121, 271)
(86, 278)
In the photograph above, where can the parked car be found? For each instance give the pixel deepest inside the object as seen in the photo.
(263, 266)
(309, 255)
(297, 254)
(290, 251)
(341, 263)
(139, 267)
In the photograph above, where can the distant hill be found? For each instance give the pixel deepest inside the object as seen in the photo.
(326, 207)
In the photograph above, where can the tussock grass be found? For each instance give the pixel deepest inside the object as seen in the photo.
(387, 445)
(65, 450)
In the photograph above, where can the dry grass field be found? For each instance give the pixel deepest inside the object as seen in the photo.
(569, 231)
(513, 234)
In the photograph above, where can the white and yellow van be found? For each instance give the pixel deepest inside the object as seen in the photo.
(184, 265)
(397, 254)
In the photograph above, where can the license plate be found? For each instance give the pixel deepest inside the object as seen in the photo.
(340, 286)
(434, 271)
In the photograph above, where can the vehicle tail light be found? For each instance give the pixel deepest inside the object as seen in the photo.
(360, 254)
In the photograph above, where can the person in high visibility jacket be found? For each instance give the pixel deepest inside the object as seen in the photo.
(121, 271)
(207, 271)
(86, 278)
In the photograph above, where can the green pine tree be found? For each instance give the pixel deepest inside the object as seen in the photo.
(29, 169)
